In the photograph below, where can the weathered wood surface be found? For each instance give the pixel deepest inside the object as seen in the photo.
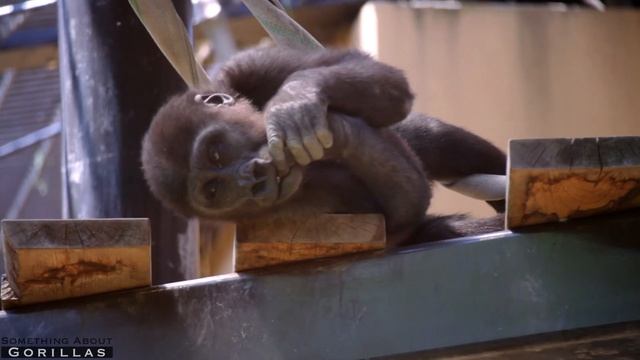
(559, 179)
(216, 242)
(57, 259)
(260, 244)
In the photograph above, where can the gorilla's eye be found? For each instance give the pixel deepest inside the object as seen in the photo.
(217, 99)
(209, 189)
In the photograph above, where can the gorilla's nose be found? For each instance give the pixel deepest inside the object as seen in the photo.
(258, 176)
(260, 169)
(252, 171)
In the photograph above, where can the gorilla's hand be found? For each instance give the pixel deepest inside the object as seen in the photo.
(296, 120)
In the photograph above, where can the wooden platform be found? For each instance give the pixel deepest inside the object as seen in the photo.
(543, 279)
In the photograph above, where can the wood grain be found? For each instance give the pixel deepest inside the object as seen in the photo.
(559, 179)
(216, 245)
(57, 259)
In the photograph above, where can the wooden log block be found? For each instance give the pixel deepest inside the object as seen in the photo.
(260, 244)
(216, 244)
(559, 179)
(57, 259)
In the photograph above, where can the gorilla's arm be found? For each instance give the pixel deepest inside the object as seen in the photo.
(296, 89)
(384, 163)
(449, 152)
(349, 81)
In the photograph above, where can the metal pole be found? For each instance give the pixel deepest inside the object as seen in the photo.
(113, 79)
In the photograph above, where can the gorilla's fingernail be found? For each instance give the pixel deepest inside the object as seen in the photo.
(314, 148)
(326, 139)
(317, 155)
(302, 158)
(317, 151)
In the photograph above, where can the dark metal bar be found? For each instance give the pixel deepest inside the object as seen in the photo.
(471, 290)
(113, 80)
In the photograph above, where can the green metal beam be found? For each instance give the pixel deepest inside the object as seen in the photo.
(579, 274)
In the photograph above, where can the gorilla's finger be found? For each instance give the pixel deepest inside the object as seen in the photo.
(309, 139)
(291, 183)
(321, 128)
(294, 144)
(313, 147)
(275, 138)
(325, 136)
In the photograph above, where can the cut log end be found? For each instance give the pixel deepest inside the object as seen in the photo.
(53, 260)
(560, 179)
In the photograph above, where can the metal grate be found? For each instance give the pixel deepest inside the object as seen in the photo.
(29, 103)
(45, 17)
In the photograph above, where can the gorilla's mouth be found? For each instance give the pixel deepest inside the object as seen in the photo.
(288, 184)
(277, 189)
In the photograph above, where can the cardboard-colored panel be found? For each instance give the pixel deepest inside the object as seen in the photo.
(507, 72)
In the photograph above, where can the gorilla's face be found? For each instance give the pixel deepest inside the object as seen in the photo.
(205, 154)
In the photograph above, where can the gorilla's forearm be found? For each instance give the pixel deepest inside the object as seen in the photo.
(350, 81)
(367, 89)
(387, 167)
(447, 151)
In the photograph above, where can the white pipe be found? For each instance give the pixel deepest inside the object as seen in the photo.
(479, 186)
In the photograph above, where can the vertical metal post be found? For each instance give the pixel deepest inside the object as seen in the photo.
(113, 79)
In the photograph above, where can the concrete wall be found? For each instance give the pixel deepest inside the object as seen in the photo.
(512, 71)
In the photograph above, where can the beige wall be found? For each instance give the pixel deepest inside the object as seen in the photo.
(513, 72)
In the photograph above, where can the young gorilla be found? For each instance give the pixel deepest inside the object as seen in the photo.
(289, 133)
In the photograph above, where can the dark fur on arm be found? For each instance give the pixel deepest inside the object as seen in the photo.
(447, 151)
(362, 87)
(338, 75)
(442, 227)
(387, 167)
